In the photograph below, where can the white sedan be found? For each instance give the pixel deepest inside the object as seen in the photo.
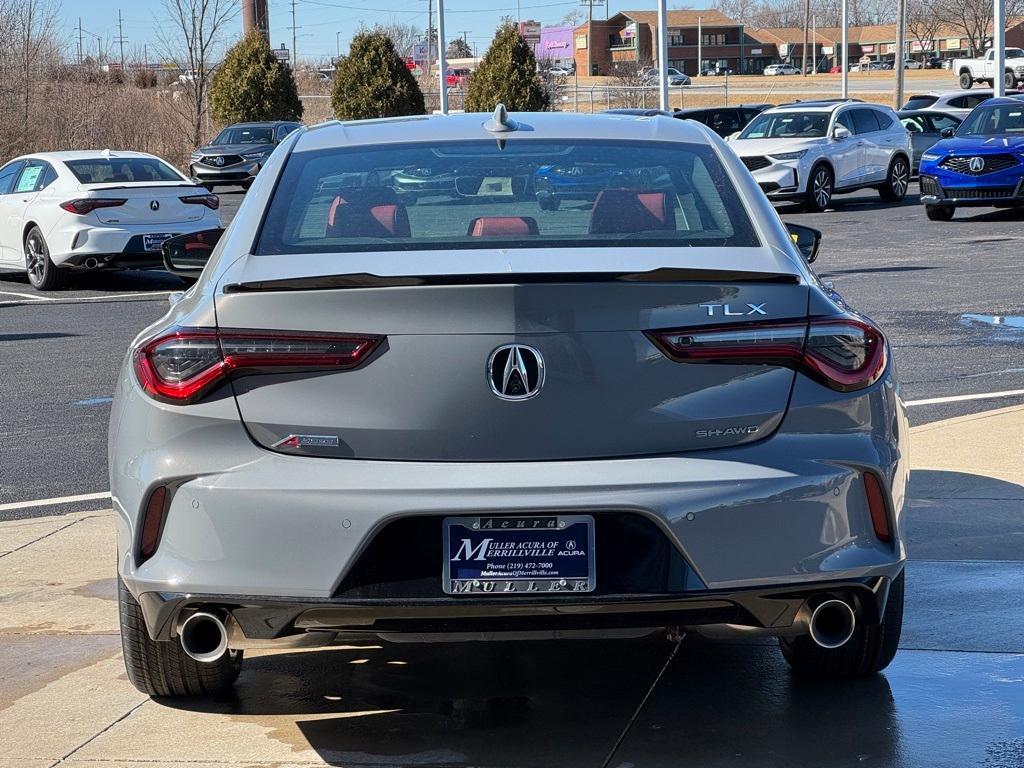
(780, 69)
(78, 211)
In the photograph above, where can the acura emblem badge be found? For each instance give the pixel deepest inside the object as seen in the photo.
(219, 160)
(154, 205)
(515, 372)
(977, 164)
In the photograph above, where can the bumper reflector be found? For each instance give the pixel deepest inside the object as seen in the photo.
(876, 505)
(152, 523)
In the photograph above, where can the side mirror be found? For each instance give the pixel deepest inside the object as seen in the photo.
(807, 239)
(186, 255)
(840, 132)
(947, 133)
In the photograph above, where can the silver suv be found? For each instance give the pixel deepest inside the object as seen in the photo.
(810, 151)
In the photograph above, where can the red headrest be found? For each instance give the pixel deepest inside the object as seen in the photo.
(489, 226)
(367, 218)
(621, 211)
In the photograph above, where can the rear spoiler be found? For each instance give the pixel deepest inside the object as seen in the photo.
(366, 280)
(99, 186)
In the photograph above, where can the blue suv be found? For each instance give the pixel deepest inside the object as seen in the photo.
(981, 164)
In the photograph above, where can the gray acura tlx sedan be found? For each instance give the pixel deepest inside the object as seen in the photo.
(473, 416)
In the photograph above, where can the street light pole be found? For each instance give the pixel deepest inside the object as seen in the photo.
(663, 53)
(999, 47)
(337, 40)
(901, 38)
(845, 62)
(442, 78)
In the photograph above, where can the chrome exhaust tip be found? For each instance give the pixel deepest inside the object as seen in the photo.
(832, 624)
(91, 263)
(203, 637)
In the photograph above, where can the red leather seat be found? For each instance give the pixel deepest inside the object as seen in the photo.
(491, 226)
(621, 211)
(367, 217)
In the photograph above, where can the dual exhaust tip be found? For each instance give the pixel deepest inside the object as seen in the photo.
(203, 637)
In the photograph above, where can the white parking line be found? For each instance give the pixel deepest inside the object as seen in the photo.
(28, 296)
(962, 398)
(56, 500)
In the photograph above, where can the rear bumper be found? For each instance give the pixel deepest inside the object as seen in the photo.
(775, 610)
(116, 246)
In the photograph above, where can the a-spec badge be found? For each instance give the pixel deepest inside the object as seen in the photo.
(307, 441)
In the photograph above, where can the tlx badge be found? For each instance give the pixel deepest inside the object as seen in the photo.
(727, 310)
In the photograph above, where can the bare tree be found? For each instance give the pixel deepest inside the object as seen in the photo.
(630, 77)
(573, 17)
(973, 18)
(193, 38)
(403, 36)
(923, 24)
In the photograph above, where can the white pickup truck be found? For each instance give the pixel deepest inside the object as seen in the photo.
(971, 71)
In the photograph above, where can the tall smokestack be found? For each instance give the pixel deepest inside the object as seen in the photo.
(255, 16)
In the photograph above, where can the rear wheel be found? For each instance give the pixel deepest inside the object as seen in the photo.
(870, 649)
(897, 180)
(939, 212)
(819, 189)
(548, 202)
(161, 667)
(1009, 81)
(42, 272)
(966, 81)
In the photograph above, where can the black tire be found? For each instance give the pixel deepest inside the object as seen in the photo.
(1009, 81)
(966, 81)
(245, 185)
(870, 649)
(42, 273)
(939, 212)
(162, 668)
(820, 187)
(896, 181)
(548, 203)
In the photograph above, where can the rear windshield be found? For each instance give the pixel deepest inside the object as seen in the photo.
(994, 120)
(787, 125)
(920, 102)
(523, 194)
(129, 169)
(240, 135)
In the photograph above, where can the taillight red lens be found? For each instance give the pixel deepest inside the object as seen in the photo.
(210, 201)
(184, 364)
(844, 353)
(86, 205)
(877, 506)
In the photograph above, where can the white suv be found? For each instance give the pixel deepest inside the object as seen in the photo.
(810, 150)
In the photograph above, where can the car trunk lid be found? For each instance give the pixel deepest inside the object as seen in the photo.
(149, 204)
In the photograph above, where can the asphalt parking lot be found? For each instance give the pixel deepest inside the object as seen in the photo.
(948, 296)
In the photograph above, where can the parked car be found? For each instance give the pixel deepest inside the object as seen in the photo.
(925, 127)
(457, 77)
(780, 69)
(724, 121)
(675, 77)
(561, 71)
(876, 66)
(361, 423)
(971, 71)
(912, 64)
(69, 212)
(639, 112)
(716, 71)
(979, 164)
(934, 62)
(957, 103)
(238, 153)
(810, 151)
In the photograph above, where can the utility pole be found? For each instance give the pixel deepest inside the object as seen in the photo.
(901, 37)
(295, 53)
(121, 39)
(337, 42)
(814, 44)
(663, 54)
(700, 48)
(807, 23)
(430, 36)
(79, 41)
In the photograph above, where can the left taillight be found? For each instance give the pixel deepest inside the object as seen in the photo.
(210, 201)
(85, 205)
(183, 364)
(844, 353)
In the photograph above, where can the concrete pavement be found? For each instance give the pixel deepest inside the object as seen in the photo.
(953, 697)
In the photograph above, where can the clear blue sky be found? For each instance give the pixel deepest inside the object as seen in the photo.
(319, 21)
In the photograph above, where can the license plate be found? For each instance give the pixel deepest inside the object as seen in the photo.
(155, 242)
(536, 554)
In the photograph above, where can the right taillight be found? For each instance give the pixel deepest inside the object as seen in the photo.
(844, 353)
(84, 205)
(183, 364)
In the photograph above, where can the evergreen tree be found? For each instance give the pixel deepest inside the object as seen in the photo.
(458, 49)
(252, 84)
(507, 74)
(373, 81)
